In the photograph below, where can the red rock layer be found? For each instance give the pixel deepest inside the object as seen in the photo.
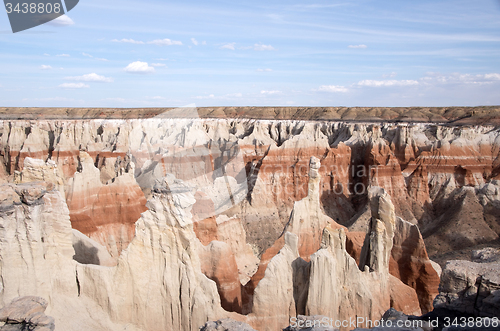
(218, 263)
(412, 265)
(107, 214)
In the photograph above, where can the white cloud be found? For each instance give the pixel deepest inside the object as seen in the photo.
(357, 46)
(158, 65)
(333, 88)
(162, 59)
(88, 55)
(63, 20)
(457, 78)
(63, 55)
(139, 67)
(223, 97)
(165, 42)
(391, 75)
(270, 92)
(129, 41)
(194, 41)
(385, 83)
(45, 54)
(93, 77)
(261, 47)
(73, 86)
(156, 98)
(45, 67)
(203, 42)
(210, 96)
(264, 70)
(228, 46)
(493, 76)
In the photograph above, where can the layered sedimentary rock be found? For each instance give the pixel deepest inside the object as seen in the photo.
(229, 195)
(338, 288)
(26, 313)
(472, 287)
(157, 283)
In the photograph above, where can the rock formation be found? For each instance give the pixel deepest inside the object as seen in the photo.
(26, 313)
(471, 287)
(37, 259)
(153, 223)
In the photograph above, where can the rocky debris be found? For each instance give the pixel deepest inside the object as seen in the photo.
(226, 324)
(461, 224)
(470, 287)
(26, 313)
(486, 255)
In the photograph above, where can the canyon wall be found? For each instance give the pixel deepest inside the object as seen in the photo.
(168, 223)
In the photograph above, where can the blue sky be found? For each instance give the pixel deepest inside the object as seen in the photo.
(256, 53)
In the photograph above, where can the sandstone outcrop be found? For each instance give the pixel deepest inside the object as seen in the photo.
(257, 206)
(471, 287)
(412, 265)
(37, 259)
(339, 289)
(105, 213)
(26, 313)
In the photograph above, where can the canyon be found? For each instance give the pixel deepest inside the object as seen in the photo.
(164, 220)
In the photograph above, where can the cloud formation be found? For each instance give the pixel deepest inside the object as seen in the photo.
(194, 41)
(158, 65)
(139, 67)
(270, 92)
(63, 20)
(264, 70)
(97, 58)
(262, 47)
(165, 42)
(45, 67)
(385, 83)
(357, 46)
(129, 41)
(72, 86)
(93, 77)
(333, 88)
(229, 46)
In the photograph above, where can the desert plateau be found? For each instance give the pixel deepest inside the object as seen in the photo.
(248, 218)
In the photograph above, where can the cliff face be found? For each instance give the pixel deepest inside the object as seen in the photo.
(202, 215)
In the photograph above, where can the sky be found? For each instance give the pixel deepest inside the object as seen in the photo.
(153, 53)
